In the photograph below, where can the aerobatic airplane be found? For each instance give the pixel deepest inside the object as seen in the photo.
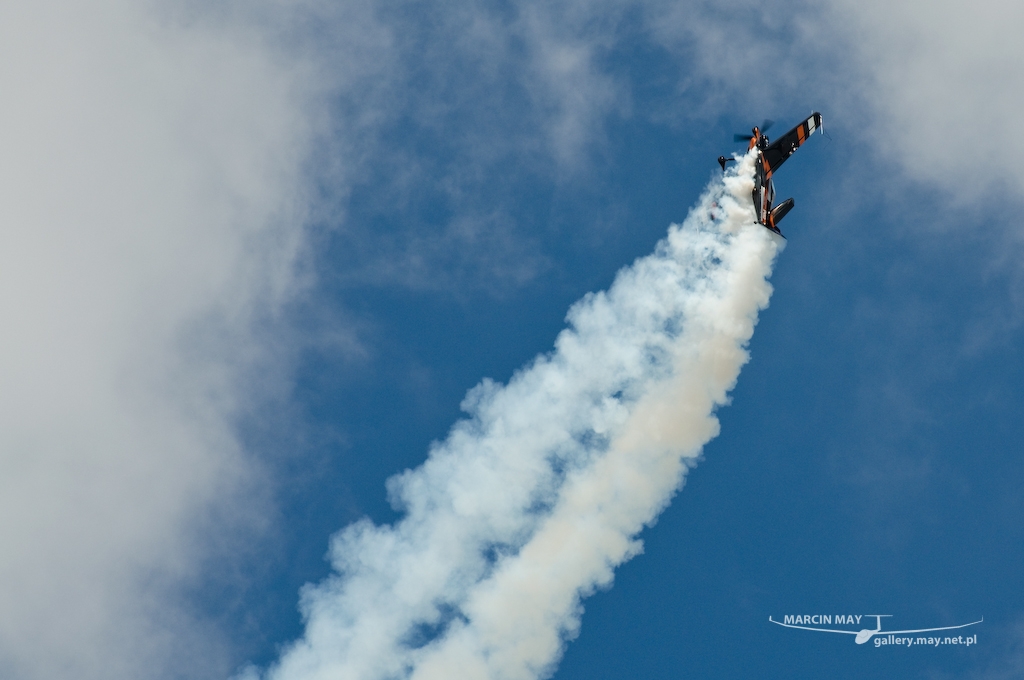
(769, 157)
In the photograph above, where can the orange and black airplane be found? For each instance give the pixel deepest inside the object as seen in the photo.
(769, 157)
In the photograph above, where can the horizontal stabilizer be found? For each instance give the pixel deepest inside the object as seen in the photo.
(781, 210)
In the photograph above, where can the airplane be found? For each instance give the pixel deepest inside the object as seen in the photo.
(769, 157)
(866, 634)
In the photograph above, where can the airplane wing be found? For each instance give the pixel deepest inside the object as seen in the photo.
(820, 630)
(786, 145)
(928, 630)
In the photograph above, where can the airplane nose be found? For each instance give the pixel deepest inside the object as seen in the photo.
(864, 636)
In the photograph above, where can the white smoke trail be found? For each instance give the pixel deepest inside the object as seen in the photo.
(532, 501)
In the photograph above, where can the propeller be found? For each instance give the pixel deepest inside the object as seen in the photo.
(768, 122)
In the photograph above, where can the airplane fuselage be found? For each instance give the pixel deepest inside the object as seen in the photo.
(769, 157)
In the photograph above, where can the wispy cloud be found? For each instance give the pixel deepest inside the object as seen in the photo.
(152, 206)
(946, 82)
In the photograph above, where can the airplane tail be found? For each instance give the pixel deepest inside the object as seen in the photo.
(781, 210)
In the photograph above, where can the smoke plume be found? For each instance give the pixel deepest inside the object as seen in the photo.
(535, 498)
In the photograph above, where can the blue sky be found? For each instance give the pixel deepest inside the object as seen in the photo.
(258, 255)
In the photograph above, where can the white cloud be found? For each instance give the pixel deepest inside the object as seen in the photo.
(151, 213)
(946, 80)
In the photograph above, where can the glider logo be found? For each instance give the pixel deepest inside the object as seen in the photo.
(883, 637)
